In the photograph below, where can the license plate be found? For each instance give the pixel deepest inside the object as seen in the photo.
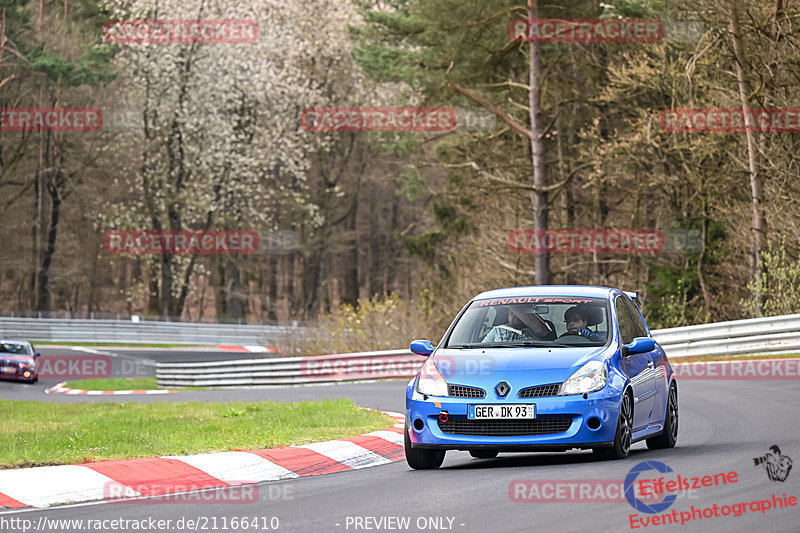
(9, 370)
(497, 411)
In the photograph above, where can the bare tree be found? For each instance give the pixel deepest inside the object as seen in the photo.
(758, 221)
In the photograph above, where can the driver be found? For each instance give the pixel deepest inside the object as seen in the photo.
(521, 326)
(577, 319)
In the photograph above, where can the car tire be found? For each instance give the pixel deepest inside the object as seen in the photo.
(669, 436)
(484, 454)
(622, 437)
(421, 459)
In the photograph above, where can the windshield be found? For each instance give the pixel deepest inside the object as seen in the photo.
(561, 321)
(15, 348)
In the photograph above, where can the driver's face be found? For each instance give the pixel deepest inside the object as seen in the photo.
(575, 322)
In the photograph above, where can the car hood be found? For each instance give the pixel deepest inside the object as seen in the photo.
(520, 367)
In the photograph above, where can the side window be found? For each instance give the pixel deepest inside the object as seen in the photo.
(638, 324)
(627, 331)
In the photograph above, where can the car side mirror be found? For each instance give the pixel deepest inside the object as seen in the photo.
(422, 347)
(37, 354)
(638, 345)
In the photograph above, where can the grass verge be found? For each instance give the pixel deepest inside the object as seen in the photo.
(148, 383)
(42, 433)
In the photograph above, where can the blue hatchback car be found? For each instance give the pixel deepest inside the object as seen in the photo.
(545, 368)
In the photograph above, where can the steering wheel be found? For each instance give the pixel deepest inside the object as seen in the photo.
(575, 339)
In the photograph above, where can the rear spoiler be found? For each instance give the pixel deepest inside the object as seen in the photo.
(633, 295)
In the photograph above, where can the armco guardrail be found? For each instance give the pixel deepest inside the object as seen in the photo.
(775, 334)
(111, 331)
(290, 370)
(761, 335)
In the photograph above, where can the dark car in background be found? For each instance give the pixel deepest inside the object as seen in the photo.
(18, 361)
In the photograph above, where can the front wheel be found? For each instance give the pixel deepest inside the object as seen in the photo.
(622, 439)
(421, 459)
(669, 436)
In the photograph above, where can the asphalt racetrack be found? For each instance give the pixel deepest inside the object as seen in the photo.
(724, 425)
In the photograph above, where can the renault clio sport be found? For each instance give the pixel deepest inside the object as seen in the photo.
(547, 368)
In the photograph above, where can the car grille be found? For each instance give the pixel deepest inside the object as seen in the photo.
(540, 391)
(462, 391)
(505, 428)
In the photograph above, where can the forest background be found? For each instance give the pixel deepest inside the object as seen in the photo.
(391, 233)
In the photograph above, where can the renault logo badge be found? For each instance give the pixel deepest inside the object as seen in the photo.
(502, 389)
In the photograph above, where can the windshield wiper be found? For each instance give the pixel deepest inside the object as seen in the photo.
(467, 345)
(489, 345)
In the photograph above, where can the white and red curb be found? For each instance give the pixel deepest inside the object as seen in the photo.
(251, 349)
(46, 486)
(61, 389)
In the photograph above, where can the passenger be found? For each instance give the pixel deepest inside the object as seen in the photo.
(521, 327)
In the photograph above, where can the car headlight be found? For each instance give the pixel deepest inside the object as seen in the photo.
(590, 377)
(430, 381)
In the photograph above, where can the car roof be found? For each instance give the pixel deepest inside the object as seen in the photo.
(15, 341)
(548, 290)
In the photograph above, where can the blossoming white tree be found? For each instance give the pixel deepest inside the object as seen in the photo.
(219, 144)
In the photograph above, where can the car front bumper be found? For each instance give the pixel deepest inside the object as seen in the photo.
(17, 374)
(422, 416)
